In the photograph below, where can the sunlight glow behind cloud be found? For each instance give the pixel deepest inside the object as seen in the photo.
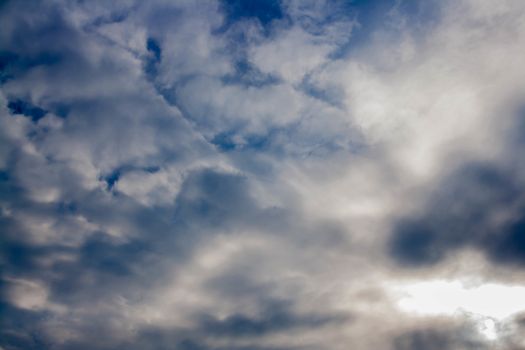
(497, 301)
(486, 304)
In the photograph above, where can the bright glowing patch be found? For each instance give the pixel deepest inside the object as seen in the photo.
(490, 303)
(488, 329)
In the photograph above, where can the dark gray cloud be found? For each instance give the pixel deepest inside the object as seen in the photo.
(436, 338)
(462, 212)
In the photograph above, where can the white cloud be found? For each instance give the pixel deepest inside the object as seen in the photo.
(27, 294)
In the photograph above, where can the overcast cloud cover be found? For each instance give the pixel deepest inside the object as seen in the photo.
(262, 174)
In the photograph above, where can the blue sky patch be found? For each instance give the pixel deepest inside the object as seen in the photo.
(265, 11)
(20, 107)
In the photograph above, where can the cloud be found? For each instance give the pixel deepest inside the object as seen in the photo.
(436, 339)
(238, 175)
(461, 211)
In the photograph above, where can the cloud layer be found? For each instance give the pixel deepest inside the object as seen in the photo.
(261, 174)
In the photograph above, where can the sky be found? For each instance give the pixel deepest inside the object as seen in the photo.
(262, 175)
